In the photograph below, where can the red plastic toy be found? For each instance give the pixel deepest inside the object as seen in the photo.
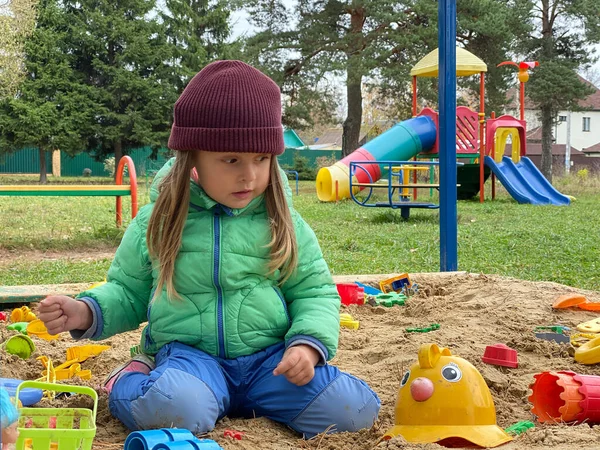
(351, 294)
(500, 355)
(566, 397)
(3, 316)
(233, 434)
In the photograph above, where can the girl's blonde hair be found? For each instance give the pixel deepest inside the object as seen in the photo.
(165, 227)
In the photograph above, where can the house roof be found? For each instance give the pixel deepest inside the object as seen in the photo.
(535, 134)
(535, 148)
(592, 101)
(292, 140)
(333, 136)
(593, 149)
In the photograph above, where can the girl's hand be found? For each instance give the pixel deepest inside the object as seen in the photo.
(298, 364)
(61, 313)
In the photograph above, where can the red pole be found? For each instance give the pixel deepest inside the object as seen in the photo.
(481, 136)
(336, 190)
(414, 96)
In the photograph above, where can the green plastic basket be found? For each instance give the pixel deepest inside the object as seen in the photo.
(75, 427)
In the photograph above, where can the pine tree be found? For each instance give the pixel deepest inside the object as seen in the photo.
(53, 108)
(562, 46)
(121, 51)
(197, 31)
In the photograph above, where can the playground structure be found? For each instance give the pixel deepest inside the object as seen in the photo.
(117, 190)
(401, 147)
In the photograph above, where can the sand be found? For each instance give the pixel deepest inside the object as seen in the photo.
(473, 311)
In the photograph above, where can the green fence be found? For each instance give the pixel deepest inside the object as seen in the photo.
(27, 161)
(287, 158)
(24, 161)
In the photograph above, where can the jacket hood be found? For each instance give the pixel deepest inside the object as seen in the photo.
(199, 199)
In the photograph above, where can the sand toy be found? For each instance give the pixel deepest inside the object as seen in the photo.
(351, 294)
(388, 300)
(21, 327)
(401, 284)
(589, 353)
(591, 326)
(66, 428)
(347, 321)
(83, 352)
(565, 397)
(22, 314)
(444, 399)
(70, 372)
(168, 438)
(575, 301)
(27, 396)
(500, 355)
(37, 328)
(20, 345)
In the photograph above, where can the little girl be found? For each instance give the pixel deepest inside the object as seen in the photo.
(241, 308)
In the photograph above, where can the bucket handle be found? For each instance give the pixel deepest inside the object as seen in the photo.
(61, 388)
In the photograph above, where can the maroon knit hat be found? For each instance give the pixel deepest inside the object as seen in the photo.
(229, 106)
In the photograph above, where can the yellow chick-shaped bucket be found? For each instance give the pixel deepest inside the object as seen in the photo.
(444, 399)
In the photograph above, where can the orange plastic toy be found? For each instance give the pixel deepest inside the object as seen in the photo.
(565, 397)
(575, 301)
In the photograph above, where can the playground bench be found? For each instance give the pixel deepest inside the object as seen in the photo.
(117, 190)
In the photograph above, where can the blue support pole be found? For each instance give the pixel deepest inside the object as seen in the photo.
(447, 124)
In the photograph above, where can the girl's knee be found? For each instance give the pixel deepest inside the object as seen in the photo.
(177, 400)
(346, 404)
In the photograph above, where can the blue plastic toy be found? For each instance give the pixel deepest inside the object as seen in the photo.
(368, 289)
(28, 396)
(168, 439)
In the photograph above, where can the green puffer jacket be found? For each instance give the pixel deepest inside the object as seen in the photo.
(228, 307)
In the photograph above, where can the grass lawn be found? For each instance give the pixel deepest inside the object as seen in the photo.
(559, 244)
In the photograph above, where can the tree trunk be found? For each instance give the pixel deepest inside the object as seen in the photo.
(354, 73)
(351, 133)
(118, 149)
(43, 168)
(546, 107)
(547, 141)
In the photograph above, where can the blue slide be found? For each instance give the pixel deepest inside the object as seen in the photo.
(525, 182)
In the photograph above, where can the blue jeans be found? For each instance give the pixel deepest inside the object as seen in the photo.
(193, 390)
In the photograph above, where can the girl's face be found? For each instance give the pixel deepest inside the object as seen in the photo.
(233, 179)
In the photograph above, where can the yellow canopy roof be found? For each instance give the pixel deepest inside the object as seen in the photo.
(466, 64)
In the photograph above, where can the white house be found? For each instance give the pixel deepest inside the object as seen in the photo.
(584, 125)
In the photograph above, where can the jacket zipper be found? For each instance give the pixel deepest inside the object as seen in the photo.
(285, 308)
(217, 250)
(149, 340)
